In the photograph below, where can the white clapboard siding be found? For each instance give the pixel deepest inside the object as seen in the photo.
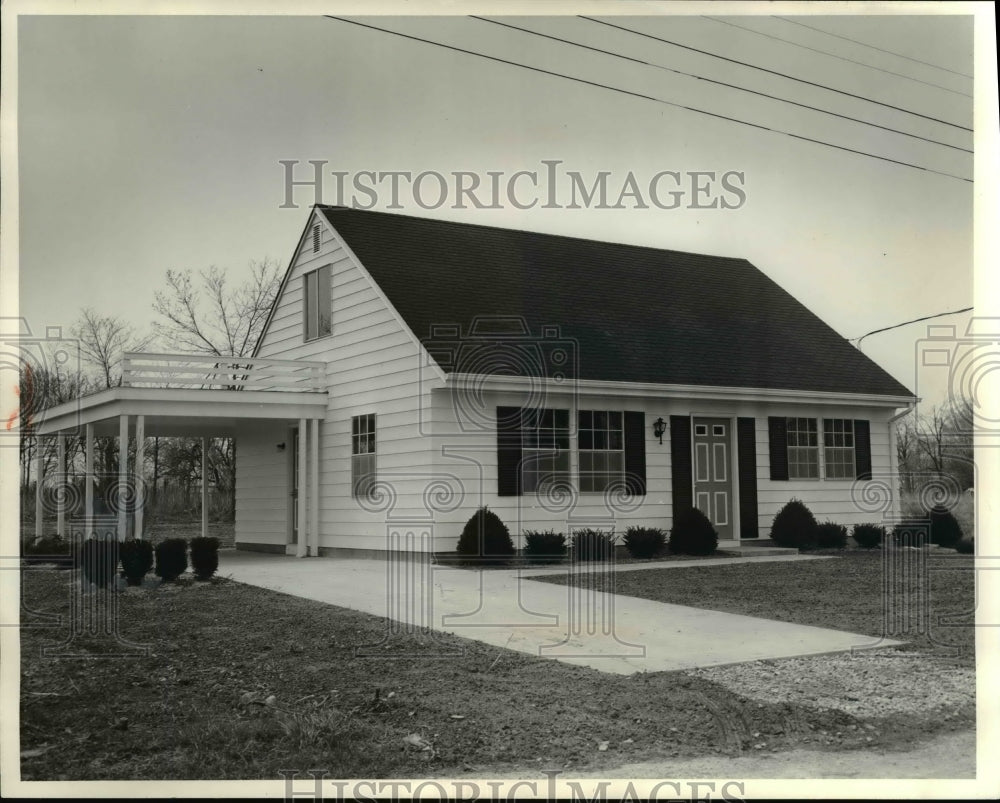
(262, 491)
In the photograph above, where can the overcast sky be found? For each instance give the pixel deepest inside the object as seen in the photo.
(148, 143)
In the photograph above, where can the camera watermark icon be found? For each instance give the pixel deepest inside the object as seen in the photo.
(36, 368)
(543, 363)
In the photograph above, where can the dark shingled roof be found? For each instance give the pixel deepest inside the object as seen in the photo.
(634, 314)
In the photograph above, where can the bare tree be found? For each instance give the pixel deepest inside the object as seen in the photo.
(103, 339)
(210, 316)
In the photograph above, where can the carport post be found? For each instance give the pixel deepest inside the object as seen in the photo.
(88, 493)
(204, 487)
(61, 495)
(39, 469)
(122, 477)
(140, 459)
(300, 545)
(314, 485)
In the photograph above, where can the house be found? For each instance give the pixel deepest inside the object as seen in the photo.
(413, 369)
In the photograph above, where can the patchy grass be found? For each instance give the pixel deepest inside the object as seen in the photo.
(859, 591)
(198, 705)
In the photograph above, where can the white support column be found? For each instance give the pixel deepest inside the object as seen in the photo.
(122, 477)
(88, 493)
(204, 487)
(140, 458)
(314, 485)
(63, 490)
(300, 546)
(39, 470)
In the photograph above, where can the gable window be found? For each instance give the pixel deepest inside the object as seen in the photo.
(838, 448)
(803, 449)
(362, 454)
(601, 450)
(544, 448)
(317, 303)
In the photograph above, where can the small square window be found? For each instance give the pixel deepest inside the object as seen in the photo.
(701, 430)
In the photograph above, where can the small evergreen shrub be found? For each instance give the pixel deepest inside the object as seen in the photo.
(693, 533)
(137, 559)
(795, 526)
(644, 542)
(594, 545)
(912, 532)
(204, 557)
(485, 536)
(868, 536)
(831, 535)
(99, 560)
(945, 529)
(171, 558)
(544, 546)
(967, 546)
(49, 549)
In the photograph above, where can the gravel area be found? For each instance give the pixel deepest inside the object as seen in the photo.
(874, 683)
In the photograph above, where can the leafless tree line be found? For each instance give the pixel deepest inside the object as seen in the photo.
(938, 443)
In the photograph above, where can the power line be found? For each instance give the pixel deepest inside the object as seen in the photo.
(775, 72)
(881, 50)
(835, 56)
(907, 323)
(721, 83)
(647, 97)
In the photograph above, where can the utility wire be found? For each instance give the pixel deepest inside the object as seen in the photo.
(881, 50)
(775, 72)
(721, 83)
(907, 323)
(835, 56)
(646, 97)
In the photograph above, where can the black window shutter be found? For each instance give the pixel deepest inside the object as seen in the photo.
(746, 456)
(508, 451)
(863, 449)
(777, 433)
(635, 452)
(680, 462)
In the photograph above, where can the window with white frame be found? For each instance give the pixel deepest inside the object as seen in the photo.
(838, 448)
(544, 448)
(362, 454)
(317, 303)
(601, 446)
(803, 449)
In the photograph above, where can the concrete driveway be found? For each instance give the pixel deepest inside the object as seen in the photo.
(589, 627)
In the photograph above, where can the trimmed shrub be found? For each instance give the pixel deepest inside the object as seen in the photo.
(593, 545)
(967, 546)
(544, 546)
(910, 532)
(485, 536)
(99, 560)
(171, 558)
(830, 535)
(136, 558)
(693, 533)
(204, 557)
(868, 536)
(945, 529)
(795, 526)
(644, 542)
(49, 549)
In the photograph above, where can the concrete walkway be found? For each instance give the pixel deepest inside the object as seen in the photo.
(608, 632)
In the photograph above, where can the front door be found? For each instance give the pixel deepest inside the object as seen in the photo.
(713, 482)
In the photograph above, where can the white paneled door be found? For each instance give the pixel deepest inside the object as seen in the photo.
(713, 482)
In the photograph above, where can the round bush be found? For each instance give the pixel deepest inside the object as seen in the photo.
(645, 542)
(485, 536)
(544, 547)
(795, 526)
(831, 535)
(137, 560)
(594, 545)
(171, 558)
(693, 534)
(945, 529)
(967, 546)
(99, 560)
(204, 557)
(868, 536)
(909, 533)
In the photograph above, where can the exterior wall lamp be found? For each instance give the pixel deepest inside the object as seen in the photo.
(281, 447)
(659, 427)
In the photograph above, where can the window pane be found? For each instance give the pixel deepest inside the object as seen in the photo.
(323, 301)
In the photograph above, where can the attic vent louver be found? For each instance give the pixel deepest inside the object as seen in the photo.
(316, 238)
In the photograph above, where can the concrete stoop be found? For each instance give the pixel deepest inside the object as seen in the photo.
(760, 551)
